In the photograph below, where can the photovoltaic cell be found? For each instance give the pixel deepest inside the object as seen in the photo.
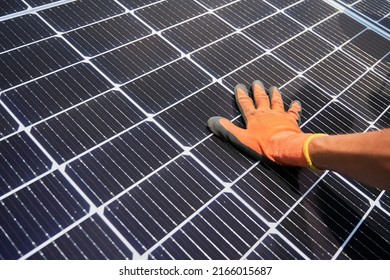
(367, 52)
(8, 124)
(331, 211)
(56, 92)
(303, 51)
(197, 33)
(156, 206)
(154, 93)
(310, 12)
(170, 12)
(106, 35)
(38, 212)
(223, 230)
(105, 148)
(226, 55)
(370, 241)
(35, 60)
(273, 31)
(336, 119)
(245, 12)
(21, 160)
(9, 7)
(369, 96)
(273, 247)
(187, 120)
(79, 13)
(126, 63)
(79, 129)
(118, 164)
(92, 239)
(22, 30)
(339, 28)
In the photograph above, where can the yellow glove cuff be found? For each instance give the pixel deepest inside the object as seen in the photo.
(306, 150)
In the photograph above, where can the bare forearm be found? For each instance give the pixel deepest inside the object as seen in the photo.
(362, 156)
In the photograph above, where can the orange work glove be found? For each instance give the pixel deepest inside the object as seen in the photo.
(270, 131)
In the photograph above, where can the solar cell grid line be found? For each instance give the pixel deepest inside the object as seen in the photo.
(140, 57)
(92, 239)
(33, 61)
(384, 120)
(105, 35)
(79, 13)
(369, 241)
(282, 4)
(22, 30)
(36, 3)
(274, 247)
(373, 9)
(82, 127)
(385, 201)
(324, 218)
(187, 119)
(49, 95)
(214, 4)
(38, 212)
(167, 85)
(166, 13)
(152, 209)
(134, 4)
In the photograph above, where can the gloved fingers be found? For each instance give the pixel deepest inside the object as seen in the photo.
(260, 96)
(296, 110)
(276, 99)
(244, 102)
(226, 130)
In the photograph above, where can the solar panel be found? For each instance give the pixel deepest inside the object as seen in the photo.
(105, 151)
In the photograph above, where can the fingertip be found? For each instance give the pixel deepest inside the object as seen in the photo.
(258, 83)
(241, 87)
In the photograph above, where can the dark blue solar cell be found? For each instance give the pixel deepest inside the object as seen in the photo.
(37, 212)
(281, 4)
(373, 9)
(384, 120)
(130, 61)
(273, 31)
(197, 33)
(273, 247)
(227, 55)
(155, 207)
(21, 160)
(91, 240)
(153, 93)
(106, 35)
(36, 3)
(35, 60)
(79, 13)
(214, 4)
(336, 119)
(22, 30)
(133, 4)
(170, 12)
(245, 12)
(118, 164)
(86, 125)
(7, 123)
(187, 120)
(10, 7)
(322, 221)
(310, 12)
(370, 241)
(46, 96)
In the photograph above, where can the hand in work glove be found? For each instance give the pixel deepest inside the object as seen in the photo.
(270, 131)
